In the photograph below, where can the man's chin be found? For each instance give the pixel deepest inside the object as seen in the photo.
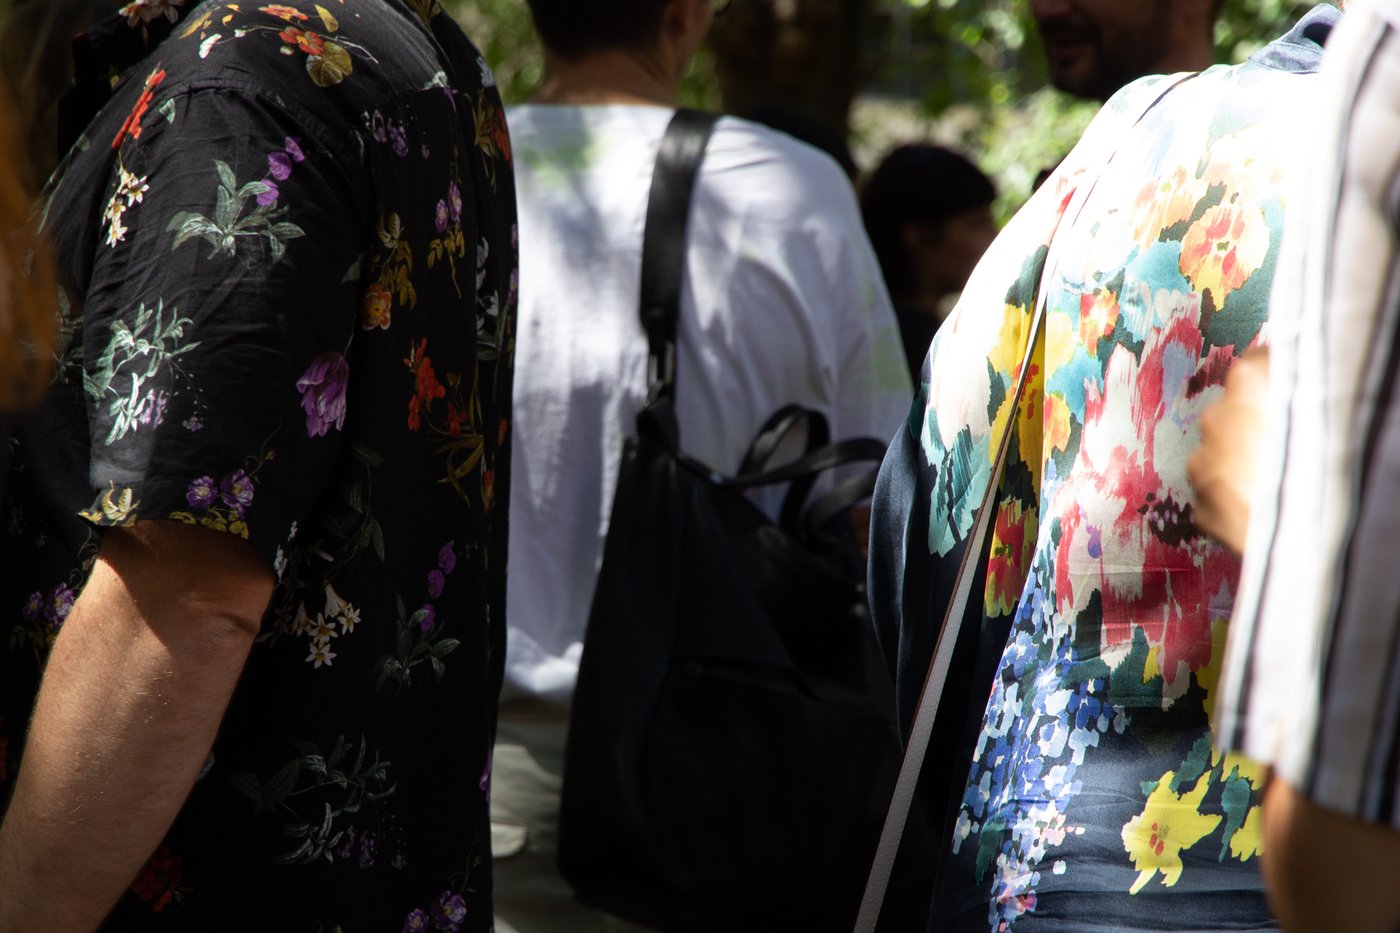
(1075, 76)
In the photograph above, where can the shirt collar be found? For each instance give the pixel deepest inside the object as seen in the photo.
(1300, 49)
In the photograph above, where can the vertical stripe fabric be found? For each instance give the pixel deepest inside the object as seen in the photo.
(1312, 676)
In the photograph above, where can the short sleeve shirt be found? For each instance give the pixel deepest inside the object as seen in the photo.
(288, 281)
(1072, 769)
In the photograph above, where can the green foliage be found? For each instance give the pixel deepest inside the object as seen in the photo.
(503, 31)
(972, 71)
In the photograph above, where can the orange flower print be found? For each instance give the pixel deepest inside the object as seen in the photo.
(488, 489)
(1223, 249)
(377, 307)
(309, 42)
(132, 125)
(1098, 316)
(1163, 203)
(284, 12)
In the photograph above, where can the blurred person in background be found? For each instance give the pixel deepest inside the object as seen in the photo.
(782, 303)
(1094, 47)
(36, 55)
(928, 212)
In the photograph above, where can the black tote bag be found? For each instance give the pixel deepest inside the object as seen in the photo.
(732, 739)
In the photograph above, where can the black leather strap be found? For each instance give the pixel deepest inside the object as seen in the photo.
(663, 241)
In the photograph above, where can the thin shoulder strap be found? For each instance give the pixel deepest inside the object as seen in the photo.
(663, 242)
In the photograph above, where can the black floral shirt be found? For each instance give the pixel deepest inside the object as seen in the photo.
(287, 246)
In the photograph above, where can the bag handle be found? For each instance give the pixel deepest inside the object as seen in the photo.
(663, 243)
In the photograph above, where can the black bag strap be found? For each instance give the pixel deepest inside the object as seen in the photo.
(663, 270)
(663, 242)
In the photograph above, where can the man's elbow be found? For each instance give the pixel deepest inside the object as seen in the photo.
(198, 589)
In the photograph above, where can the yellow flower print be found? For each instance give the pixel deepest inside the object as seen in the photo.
(1248, 841)
(1224, 248)
(114, 509)
(1168, 824)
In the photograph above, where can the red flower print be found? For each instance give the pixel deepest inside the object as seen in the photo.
(309, 42)
(500, 135)
(1010, 560)
(426, 385)
(159, 880)
(132, 125)
(456, 420)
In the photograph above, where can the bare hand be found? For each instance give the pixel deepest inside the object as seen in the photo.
(1222, 469)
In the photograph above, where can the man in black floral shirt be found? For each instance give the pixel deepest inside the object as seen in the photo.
(256, 542)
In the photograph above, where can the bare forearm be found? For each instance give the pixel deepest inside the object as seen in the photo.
(1327, 872)
(129, 707)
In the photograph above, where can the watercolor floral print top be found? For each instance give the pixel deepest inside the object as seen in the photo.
(289, 276)
(1071, 775)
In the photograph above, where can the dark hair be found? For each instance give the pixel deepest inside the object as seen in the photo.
(572, 29)
(916, 183)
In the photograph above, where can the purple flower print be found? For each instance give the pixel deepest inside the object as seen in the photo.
(33, 606)
(347, 847)
(322, 389)
(279, 166)
(269, 195)
(454, 201)
(416, 922)
(59, 604)
(400, 138)
(436, 581)
(441, 218)
(368, 847)
(152, 408)
(377, 128)
(449, 912)
(429, 617)
(447, 557)
(202, 493)
(237, 492)
(293, 148)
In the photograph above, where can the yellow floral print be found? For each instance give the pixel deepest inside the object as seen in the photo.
(1168, 824)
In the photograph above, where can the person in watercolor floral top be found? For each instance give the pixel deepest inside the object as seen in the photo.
(1071, 769)
(256, 541)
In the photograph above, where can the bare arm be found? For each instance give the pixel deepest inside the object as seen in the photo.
(1328, 872)
(133, 694)
(1222, 469)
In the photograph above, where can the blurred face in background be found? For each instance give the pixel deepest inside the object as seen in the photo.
(944, 253)
(1094, 47)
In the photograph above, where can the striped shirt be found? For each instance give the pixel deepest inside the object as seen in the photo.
(1312, 677)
